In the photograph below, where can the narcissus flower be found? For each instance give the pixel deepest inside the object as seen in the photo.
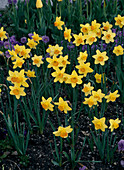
(17, 48)
(17, 91)
(31, 43)
(90, 101)
(58, 23)
(18, 63)
(2, 34)
(63, 132)
(87, 89)
(74, 79)
(50, 50)
(85, 28)
(13, 54)
(112, 96)
(119, 21)
(99, 124)
(106, 26)
(63, 61)
(84, 68)
(108, 36)
(79, 39)
(24, 52)
(82, 57)
(91, 38)
(37, 60)
(59, 75)
(98, 95)
(94, 26)
(98, 77)
(53, 62)
(30, 73)
(67, 34)
(57, 50)
(100, 58)
(18, 78)
(118, 50)
(114, 124)
(36, 37)
(46, 104)
(39, 4)
(63, 105)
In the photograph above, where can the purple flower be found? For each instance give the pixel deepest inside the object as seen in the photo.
(0, 15)
(119, 33)
(45, 39)
(13, 40)
(6, 45)
(121, 145)
(122, 163)
(12, 1)
(1, 43)
(30, 35)
(114, 30)
(23, 40)
(47, 55)
(83, 168)
(70, 45)
(84, 47)
(7, 54)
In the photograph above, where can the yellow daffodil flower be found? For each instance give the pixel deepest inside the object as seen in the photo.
(18, 78)
(98, 95)
(67, 34)
(58, 23)
(53, 62)
(18, 63)
(98, 77)
(30, 73)
(112, 96)
(118, 50)
(63, 61)
(2, 34)
(79, 39)
(24, 52)
(99, 124)
(46, 104)
(36, 37)
(100, 57)
(119, 21)
(84, 68)
(108, 36)
(17, 91)
(85, 28)
(114, 124)
(90, 101)
(106, 26)
(59, 75)
(37, 60)
(31, 43)
(91, 38)
(74, 79)
(63, 105)
(82, 57)
(87, 89)
(63, 132)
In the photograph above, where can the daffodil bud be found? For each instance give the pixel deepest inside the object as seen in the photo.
(39, 4)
